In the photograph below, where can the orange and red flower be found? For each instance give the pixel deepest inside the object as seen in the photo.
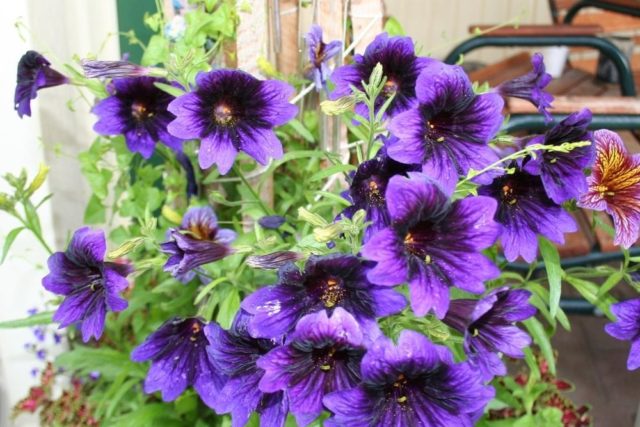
(614, 186)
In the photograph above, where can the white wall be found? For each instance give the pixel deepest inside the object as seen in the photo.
(59, 28)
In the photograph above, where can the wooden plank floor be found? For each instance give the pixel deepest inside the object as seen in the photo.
(596, 364)
(589, 358)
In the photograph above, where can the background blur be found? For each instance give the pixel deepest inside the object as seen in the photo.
(61, 28)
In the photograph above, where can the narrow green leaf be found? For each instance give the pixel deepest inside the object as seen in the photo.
(589, 291)
(43, 318)
(301, 130)
(171, 90)
(554, 273)
(331, 170)
(608, 284)
(540, 337)
(8, 241)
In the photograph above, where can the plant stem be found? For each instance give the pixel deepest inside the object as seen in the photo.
(257, 198)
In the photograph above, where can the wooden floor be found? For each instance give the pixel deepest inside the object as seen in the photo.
(587, 357)
(596, 364)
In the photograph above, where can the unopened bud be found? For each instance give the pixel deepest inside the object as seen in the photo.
(273, 260)
(339, 106)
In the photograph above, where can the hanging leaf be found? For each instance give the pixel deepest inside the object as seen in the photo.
(541, 338)
(43, 318)
(8, 241)
(554, 273)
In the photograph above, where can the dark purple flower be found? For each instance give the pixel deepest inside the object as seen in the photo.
(232, 111)
(178, 354)
(400, 66)
(488, 327)
(198, 241)
(627, 328)
(138, 110)
(525, 210)
(90, 285)
(327, 282)
(34, 73)
(531, 86)
(112, 69)
(322, 355)
(449, 130)
(368, 187)
(234, 354)
(432, 243)
(319, 55)
(415, 383)
(271, 222)
(41, 354)
(563, 173)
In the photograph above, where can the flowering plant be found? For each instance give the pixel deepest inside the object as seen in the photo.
(371, 290)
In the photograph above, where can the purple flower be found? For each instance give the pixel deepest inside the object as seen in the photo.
(563, 173)
(449, 130)
(41, 354)
(111, 69)
(432, 243)
(413, 383)
(525, 210)
(232, 111)
(488, 327)
(319, 55)
(34, 73)
(39, 333)
(90, 285)
(627, 328)
(368, 187)
(178, 354)
(322, 355)
(327, 282)
(400, 65)
(198, 241)
(234, 354)
(614, 186)
(531, 86)
(138, 110)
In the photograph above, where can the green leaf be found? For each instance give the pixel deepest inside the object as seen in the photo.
(541, 338)
(95, 212)
(608, 284)
(589, 291)
(393, 27)
(331, 170)
(297, 126)
(554, 273)
(157, 51)
(107, 361)
(228, 308)
(43, 318)
(171, 90)
(8, 241)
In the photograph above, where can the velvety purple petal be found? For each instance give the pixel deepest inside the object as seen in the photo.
(217, 148)
(93, 323)
(110, 121)
(408, 128)
(187, 124)
(275, 311)
(278, 110)
(87, 246)
(428, 291)
(384, 247)
(405, 196)
(261, 144)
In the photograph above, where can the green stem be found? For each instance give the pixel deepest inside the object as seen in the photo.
(562, 148)
(257, 198)
(36, 234)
